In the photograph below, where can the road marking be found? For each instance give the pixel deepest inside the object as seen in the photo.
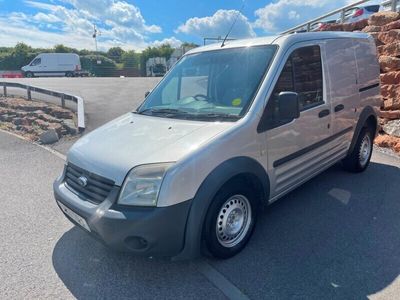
(55, 152)
(220, 281)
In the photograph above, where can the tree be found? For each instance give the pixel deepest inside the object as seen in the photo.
(189, 45)
(115, 53)
(21, 55)
(60, 48)
(130, 59)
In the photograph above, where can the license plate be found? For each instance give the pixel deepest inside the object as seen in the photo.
(74, 216)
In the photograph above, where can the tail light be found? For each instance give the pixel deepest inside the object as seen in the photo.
(358, 12)
(77, 68)
(322, 26)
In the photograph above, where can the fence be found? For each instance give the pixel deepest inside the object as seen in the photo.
(63, 97)
(392, 4)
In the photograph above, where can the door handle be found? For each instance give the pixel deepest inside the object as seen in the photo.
(339, 107)
(324, 113)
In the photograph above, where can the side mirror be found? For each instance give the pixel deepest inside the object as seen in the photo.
(289, 106)
(146, 94)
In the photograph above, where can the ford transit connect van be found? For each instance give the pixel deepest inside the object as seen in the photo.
(227, 130)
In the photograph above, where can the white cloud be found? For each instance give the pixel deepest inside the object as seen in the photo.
(283, 14)
(173, 41)
(119, 22)
(218, 25)
(46, 18)
(119, 12)
(293, 15)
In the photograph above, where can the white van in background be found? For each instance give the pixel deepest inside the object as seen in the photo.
(54, 64)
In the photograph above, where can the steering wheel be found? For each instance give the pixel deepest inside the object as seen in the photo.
(199, 96)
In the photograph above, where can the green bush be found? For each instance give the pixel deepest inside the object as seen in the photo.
(16, 57)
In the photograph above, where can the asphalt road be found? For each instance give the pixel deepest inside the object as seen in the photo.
(336, 237)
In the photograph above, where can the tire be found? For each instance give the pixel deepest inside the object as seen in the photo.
(358, 160)
(69, 74)
(29, 75)
(234, 204)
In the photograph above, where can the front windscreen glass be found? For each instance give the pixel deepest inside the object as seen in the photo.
(210, 85)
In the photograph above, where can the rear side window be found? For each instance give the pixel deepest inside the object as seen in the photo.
(372, 8)
(302, 74)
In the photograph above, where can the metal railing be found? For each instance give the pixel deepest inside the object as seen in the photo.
(63, 97)
(392, 4)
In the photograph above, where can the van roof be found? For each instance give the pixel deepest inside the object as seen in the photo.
(281, 39)
(52, 53)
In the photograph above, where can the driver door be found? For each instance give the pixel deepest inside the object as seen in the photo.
(293, 146)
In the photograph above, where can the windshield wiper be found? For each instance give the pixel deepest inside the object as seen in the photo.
(214, 115)
(162, 111)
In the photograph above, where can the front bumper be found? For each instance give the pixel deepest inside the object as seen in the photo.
(150, 231)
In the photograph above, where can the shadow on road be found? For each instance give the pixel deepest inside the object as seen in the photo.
(89, 270)
(336, 237)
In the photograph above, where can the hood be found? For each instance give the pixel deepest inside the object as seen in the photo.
(115, 148)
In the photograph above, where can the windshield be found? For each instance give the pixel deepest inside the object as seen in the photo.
(210, 85)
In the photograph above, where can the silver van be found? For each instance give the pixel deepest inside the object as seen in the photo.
(228, 129)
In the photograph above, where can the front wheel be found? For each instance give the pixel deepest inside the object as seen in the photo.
(358, 160)
(29, 75)
(230, 220)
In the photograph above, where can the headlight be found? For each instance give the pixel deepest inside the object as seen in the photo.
(142, 185)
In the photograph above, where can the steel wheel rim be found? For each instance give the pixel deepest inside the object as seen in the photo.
(233, 221)
(365, 150)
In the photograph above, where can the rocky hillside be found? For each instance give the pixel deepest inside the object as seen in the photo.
(385, 29)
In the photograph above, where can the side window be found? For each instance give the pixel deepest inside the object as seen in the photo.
(36, 62)
(302, 74)
(307, 70)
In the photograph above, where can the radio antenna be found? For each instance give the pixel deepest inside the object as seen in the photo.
(233, 24)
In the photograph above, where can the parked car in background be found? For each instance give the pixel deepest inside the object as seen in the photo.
(321, 25)
(54, 64)
(226, 131)
(359, 13)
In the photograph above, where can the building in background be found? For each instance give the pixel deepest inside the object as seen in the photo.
(156, 67)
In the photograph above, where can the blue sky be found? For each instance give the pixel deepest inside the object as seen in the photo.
(136, 24)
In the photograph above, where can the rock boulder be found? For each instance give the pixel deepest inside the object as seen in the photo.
(383, 18)
(391, 25)
(390, 78)
(388, 63)
(390, 49)
(389, 37)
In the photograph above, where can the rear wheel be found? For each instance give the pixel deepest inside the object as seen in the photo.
(69, 74)
(230, 220)
(358, 160)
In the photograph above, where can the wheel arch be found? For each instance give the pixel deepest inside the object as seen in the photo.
(367, 117)
(243, 167)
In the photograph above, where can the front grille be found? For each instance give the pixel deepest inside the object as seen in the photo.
(96, 189)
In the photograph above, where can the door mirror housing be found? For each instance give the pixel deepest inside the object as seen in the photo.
(146, 94)
(289, 106)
